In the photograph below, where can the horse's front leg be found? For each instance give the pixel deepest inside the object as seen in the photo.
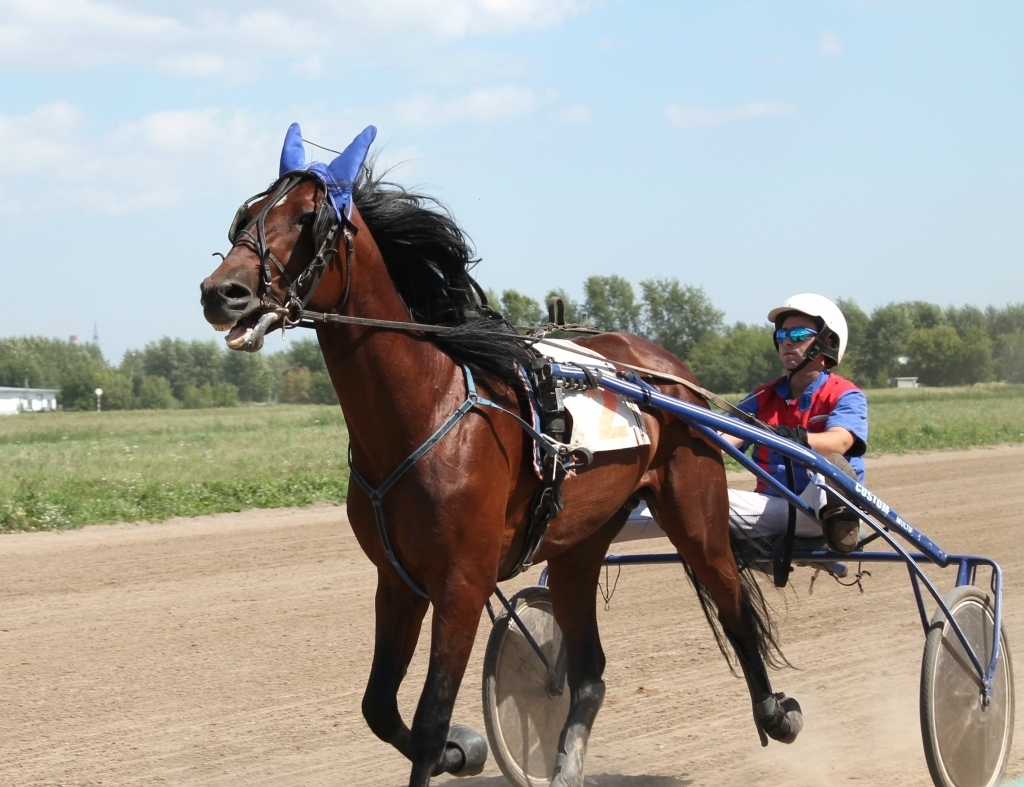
(399, 614)
(457, 611)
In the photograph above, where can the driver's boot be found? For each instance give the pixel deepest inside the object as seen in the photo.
(840, 524)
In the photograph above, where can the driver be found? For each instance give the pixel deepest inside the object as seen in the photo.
(811, 405)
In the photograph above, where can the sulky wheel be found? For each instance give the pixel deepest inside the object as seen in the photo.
(965, 743)
(523, 715)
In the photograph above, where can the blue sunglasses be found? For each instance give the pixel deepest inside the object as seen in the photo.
(795, 335)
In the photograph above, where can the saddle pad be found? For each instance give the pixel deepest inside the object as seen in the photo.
(601, 420)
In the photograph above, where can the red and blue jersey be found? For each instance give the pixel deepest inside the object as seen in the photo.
(828, 402)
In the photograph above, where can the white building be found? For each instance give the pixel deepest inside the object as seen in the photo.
(34, 400)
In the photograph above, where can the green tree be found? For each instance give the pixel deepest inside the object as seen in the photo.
(295, 386)
(117, 390)
(45, 361)
(611, 304)
(940, 356)
(887, 334)
(249, 373)
(1009, 357)
(935, 355)
(78, 388)
(966, 318)
(321, 389)
(923, 314)
(976, 362)
(678, 317)
(197, 397)
(306, 353)
(1007, 320)
(521, 309)
(20, 372)
(858, 323)
(736, 361)
(183, 363)
(155, 394)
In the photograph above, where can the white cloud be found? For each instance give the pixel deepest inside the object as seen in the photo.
(829, 44)
(188, 39)
(163, 159)
(699, 116)
(154, 162)
(577, 113)
(484, 105)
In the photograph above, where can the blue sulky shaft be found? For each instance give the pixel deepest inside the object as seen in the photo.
(712, 422)
(709, 424)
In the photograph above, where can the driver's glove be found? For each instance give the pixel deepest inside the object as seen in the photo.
(795, 433)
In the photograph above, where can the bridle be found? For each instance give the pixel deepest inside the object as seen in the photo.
(326, 227)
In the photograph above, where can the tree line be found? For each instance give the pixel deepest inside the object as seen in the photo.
(951, 346)
(941, 347)
(167, 374)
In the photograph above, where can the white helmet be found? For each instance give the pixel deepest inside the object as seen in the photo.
(823, 309)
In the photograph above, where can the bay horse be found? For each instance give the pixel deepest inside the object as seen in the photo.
(338, 240)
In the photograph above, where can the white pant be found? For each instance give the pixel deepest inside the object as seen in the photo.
(751, 515)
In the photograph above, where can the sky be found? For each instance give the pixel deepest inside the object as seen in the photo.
(868, 150)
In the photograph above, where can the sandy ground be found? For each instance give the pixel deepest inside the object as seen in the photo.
(232, 650)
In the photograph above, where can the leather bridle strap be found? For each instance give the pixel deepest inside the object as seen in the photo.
(311, 275)
(258, 242)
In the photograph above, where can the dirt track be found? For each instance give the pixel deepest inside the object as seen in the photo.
(233, 650)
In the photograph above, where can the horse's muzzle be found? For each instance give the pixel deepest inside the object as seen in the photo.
(224, 301)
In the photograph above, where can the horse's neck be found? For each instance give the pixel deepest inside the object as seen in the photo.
(393, 385)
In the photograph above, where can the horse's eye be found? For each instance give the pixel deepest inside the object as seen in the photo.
(307, 219)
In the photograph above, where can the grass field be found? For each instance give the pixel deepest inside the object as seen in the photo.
(64, 470)
(927, 419)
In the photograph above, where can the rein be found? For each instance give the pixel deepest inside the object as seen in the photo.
(308, 319)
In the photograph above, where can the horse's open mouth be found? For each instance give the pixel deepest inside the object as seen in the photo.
(248, 332)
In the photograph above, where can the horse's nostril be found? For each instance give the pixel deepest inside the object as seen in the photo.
(233, 291)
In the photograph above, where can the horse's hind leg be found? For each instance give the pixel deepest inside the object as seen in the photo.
(572, 579)
(693, 509)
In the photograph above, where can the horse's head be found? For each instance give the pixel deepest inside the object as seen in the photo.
(283, 241)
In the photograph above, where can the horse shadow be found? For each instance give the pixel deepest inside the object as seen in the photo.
(597, 780)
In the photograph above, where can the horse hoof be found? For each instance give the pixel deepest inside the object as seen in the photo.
(787, 721)
(471, 745)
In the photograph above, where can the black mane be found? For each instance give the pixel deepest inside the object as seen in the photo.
(429, 258)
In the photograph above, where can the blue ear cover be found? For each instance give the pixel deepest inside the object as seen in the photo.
(345, 168)
(293, 155)
(339, 176)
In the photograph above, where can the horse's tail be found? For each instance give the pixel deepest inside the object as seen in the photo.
(755, 609)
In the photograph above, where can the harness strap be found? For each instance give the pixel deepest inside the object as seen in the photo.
(704, 393)
(782, 560)
(473, 399)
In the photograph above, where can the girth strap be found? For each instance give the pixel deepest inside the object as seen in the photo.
(473, 399)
